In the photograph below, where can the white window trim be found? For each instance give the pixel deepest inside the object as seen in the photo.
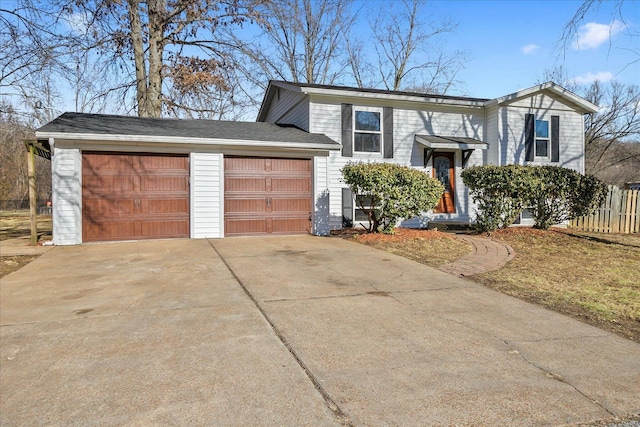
(378, 110)
(536, 139)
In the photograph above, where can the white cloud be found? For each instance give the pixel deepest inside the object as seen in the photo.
(591, 35)
(588, 78)
(530, 48)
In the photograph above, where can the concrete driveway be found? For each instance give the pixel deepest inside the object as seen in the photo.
(290, 331)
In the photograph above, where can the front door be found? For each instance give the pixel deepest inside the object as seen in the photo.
(445, 172)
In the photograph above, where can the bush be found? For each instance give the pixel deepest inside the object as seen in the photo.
(389, 192)
(499, 193)
(560, 194)
(553, 194)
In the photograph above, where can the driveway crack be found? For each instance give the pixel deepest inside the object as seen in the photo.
(331, 404)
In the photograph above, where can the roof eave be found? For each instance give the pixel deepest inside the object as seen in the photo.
(391, 97)
(184, 140)
(583, 105)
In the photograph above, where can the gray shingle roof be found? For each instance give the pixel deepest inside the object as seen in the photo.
(101, 124)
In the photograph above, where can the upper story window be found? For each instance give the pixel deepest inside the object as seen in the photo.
(367, 132)
(542, 138)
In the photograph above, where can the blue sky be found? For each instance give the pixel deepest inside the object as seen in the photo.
(511, 43)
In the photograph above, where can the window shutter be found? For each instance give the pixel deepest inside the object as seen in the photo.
(529, 136)
(347, 207)
(387, 138)
(555, 138)
(347, 130)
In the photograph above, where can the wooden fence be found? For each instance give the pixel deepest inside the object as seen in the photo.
(619, 213)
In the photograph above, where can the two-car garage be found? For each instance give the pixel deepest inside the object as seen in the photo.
(129, 178)
(131, 196)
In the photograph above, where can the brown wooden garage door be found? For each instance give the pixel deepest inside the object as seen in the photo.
(266, 195)
(134, 196)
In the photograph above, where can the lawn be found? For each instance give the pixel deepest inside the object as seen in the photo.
(592, 277)
(14, 224)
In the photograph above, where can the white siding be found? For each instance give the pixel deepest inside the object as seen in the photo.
(326, 118)
(207, 195)
(289, 108)
(321, 209)
(542, 101)
(67, 196)
(491, 132)
(512, 147)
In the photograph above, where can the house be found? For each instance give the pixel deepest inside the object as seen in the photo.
(119, 178)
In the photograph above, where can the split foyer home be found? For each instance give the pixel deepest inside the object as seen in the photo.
(122, 178)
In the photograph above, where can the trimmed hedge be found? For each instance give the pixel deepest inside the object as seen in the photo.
(553, 194)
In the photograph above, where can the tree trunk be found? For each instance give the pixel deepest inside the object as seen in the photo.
(138, 56)
(156, 48)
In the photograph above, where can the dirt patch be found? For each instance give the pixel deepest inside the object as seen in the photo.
(9, 264)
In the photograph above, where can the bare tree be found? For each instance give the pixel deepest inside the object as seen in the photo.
(573, 27)
(617, 121)
(148, 48)
(612, 134)
(408, 56)
(300, 41)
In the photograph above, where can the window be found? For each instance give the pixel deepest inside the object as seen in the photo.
(367, 133)
(542, 138)
(359, 214)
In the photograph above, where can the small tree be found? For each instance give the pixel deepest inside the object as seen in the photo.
(499, 193)
(559, 194)
(388, 192)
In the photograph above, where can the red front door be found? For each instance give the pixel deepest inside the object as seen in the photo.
(444, 171)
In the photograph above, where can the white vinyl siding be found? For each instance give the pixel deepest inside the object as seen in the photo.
(207, 195)
(326, 118)
(67, 196)
(512, 143)
(290, 108)
(321, 199)
(491, 132)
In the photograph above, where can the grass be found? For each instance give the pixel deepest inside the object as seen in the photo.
(14, 224)
(592, 277)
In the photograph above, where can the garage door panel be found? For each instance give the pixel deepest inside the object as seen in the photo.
(299, 205)
(95, 208)
(165, 206)
(283, 165)
(245, 184)
(164, 229)
(164, 183)
(245, 226)
(244, 205)
(289, 226)
(302, 184)
(134, 196)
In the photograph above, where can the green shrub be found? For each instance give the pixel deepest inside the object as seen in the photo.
(560, 194)
(553, 194)
(499, 193)
(391, 192)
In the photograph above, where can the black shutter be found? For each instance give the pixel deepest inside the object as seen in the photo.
(529, 137)
(347, 207)
(347, 130)
(387, 138)
(555, 138)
